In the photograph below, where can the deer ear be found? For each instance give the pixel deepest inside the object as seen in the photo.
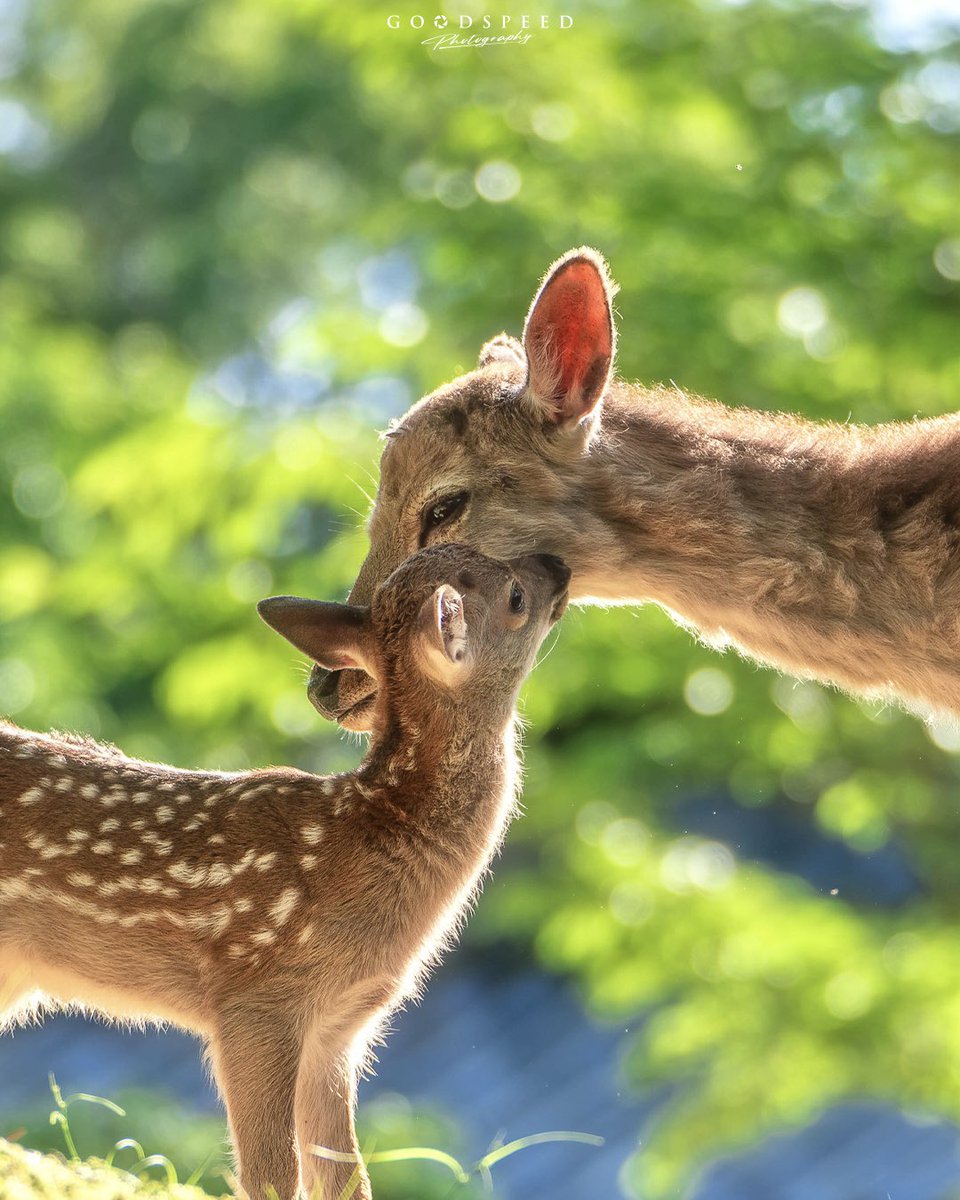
(503, 349)
(570, 338)
(442, 635)
(337, 636)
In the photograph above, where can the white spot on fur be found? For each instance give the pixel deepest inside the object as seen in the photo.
(284, 905)
(103, 847)
(263, 937)
(77, 835)
(89, 791)
(246, 861)
(308, 861)
(261, 790)
(243, 904)
(80, 879)
(65, 784)
(220, 918)
(305, 933)
(109, 825)
(32, 796)
(130, 858)
(311, 834)
(265, 862)
(216, 839)
(192, 876)
(328, 787)
(164, 814)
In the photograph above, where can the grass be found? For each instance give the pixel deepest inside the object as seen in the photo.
(198, 1150)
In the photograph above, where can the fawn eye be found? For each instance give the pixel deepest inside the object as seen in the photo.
(442, 511)
(517, 599)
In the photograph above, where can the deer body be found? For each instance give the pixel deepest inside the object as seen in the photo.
(280, 915)
(830, 551)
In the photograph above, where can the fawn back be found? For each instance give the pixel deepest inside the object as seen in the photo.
(282, 914)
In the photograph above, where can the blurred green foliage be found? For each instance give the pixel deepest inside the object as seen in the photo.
(236, 237)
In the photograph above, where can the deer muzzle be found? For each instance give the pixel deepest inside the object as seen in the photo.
(343, 696)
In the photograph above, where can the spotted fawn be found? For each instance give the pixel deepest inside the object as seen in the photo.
(283, 915)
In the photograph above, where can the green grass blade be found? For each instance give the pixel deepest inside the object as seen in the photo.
(87, 1098)
(422, 1152)
(537, 1139)
(156, 1160)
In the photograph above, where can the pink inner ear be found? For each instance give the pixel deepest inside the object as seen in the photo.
(569, 335)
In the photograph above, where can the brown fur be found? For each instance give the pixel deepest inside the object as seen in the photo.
(830, 551)
(279, 914)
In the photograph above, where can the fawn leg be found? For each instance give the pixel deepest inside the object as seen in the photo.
(325, 1098)
(254, 1053)
(14, 987)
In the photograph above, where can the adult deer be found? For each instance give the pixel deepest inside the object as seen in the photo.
(830, 551)
(283, 915)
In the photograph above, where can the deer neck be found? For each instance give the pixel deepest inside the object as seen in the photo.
(775, 534)
(446, 766)
(683, 499)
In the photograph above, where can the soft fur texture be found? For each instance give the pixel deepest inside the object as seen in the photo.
(279, 914)
(830, 551)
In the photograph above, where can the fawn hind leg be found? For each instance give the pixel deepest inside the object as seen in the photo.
(16, 985)
(15, 991)
(254, 1054)
(326, 1095)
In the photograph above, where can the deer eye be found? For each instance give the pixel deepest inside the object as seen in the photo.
(443, 511)
(517, 599)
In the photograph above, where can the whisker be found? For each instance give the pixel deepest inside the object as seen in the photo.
(550, 644)
(361, 489)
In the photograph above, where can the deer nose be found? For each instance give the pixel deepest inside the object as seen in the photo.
(555, 567)
(323, 684)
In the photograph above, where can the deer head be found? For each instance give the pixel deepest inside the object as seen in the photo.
(484, 459)
(449, 627)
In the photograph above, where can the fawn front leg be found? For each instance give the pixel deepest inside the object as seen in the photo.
(255, 1052)
(326, 1094)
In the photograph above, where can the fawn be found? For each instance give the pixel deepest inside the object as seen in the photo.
(283, 915)
(832, 551)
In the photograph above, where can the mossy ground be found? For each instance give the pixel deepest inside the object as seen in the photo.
(30, 1175)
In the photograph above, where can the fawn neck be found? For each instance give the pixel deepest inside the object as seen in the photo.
(440, 754)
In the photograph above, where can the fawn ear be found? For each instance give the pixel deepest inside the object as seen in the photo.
(442, 635)
(337, 636)
(570, 337)
(503, 349)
